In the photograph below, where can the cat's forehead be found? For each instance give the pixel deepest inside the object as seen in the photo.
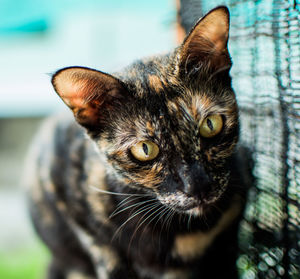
(164, 103)
(198, 104)
(158, 76)
(157, 97)
(149, 76)
(158, 117)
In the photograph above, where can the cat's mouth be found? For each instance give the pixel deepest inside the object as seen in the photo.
(183, 203)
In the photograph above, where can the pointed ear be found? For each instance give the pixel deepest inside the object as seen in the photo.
(206, 44)
(88, 93)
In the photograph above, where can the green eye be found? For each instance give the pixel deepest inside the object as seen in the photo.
(211, 126)
(145, 150)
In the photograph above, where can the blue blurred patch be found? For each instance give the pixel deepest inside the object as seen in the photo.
(30, 16)
(34, 26)
(24, 16)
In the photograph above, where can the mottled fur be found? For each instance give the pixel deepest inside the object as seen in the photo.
(103, 213)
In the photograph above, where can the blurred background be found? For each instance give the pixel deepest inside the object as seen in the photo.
(37, 37)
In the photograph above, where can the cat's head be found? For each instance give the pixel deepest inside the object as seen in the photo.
(167, 125)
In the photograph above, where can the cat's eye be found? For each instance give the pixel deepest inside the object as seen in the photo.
(145, 150)
(211, 126)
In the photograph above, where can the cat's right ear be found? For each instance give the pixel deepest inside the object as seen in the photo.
(89, 93)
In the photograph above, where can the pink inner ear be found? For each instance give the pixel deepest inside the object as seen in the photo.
(86, 92)
(72, 93)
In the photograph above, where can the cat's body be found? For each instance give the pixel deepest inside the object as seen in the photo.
(152, 193)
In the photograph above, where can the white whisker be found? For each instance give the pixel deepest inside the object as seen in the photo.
(116, 193)
(170, 219)
(130, 206)
(161, 209)
(162, 226)
(154, 206)
(189, 221)
(153, 215)
(139, 224)
(121, 204)
(144, 208)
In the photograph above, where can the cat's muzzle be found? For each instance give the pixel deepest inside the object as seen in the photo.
(180, 201)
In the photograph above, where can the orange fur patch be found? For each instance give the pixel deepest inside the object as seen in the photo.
(192, 245)
(155, 83)
(150, 178)
(150, 128)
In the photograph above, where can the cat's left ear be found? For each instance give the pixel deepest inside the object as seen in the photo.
(206, 44)
(90, 94)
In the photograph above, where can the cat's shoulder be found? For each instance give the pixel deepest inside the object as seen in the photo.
(60, 127)
(59, 141)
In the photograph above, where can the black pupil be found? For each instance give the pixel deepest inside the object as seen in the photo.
(209, 124)
(145, 148)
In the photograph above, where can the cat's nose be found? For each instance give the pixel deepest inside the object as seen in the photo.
(195, 180)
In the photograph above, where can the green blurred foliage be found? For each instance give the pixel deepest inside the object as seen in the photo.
(24, 263)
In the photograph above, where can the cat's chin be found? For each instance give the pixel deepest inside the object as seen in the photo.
(196, 211)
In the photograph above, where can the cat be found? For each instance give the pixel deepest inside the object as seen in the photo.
(149, 181)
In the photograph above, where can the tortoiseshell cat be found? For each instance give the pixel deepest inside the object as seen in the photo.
(158, 187)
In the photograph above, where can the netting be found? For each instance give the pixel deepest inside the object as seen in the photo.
(265, 47)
